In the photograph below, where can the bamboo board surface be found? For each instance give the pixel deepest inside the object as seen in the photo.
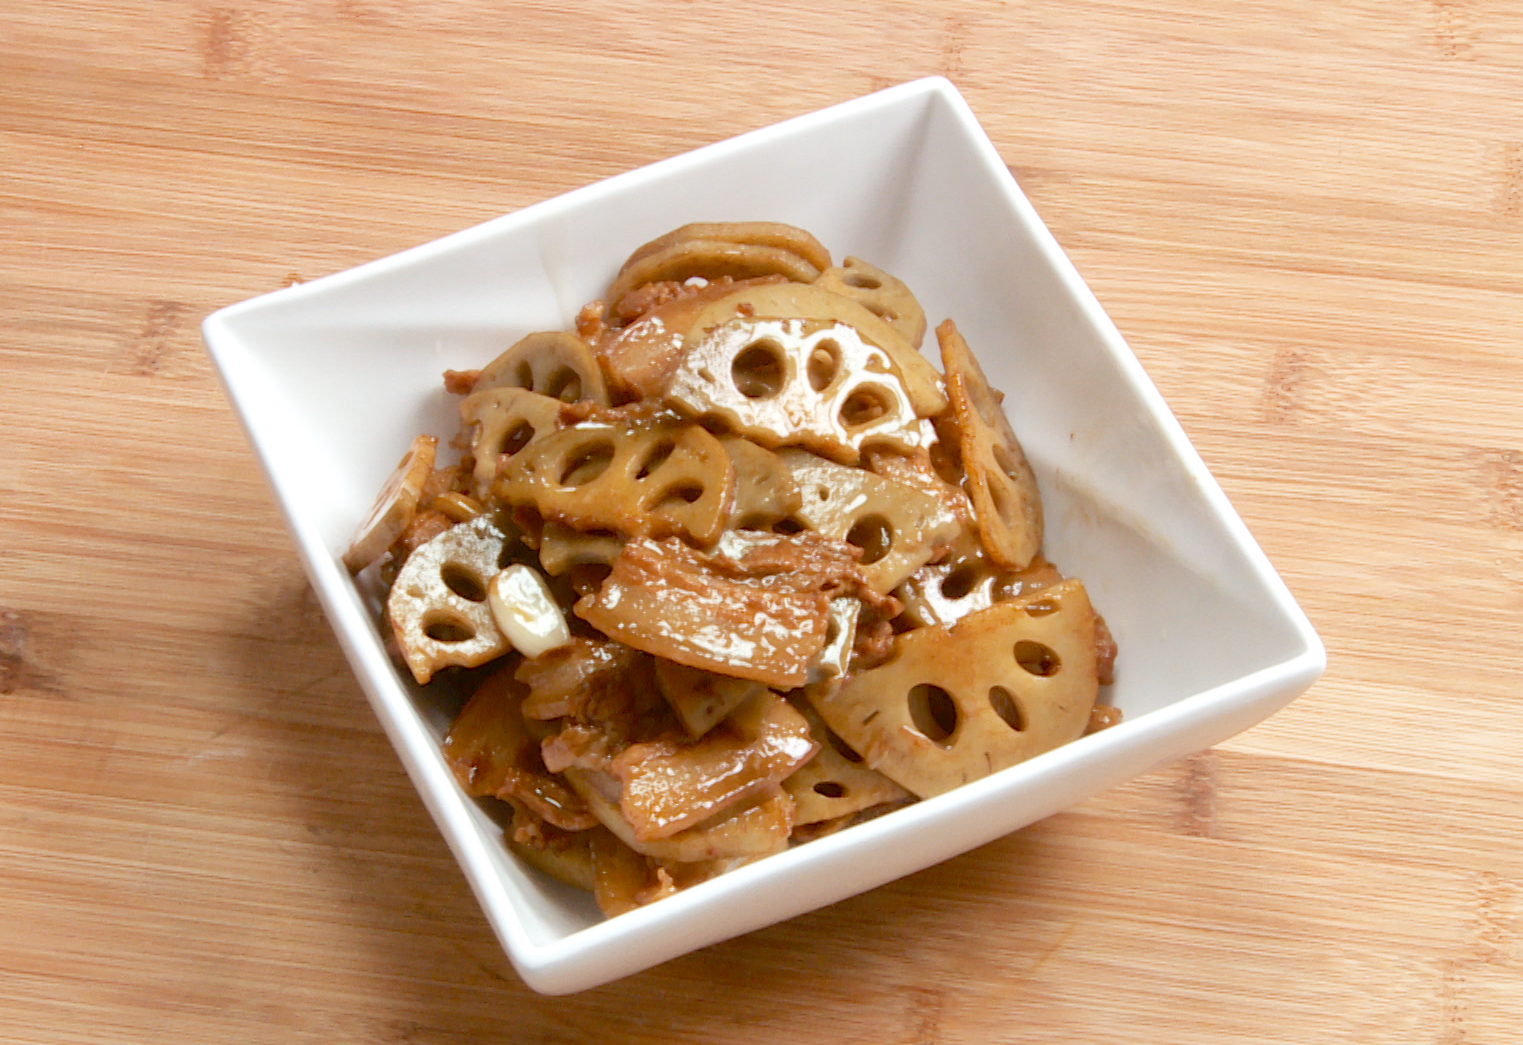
(1307, 219)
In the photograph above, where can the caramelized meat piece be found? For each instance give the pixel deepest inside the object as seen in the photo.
(491, 752)
(756, 608)
(1105, 652)
(755, 827)
(605, 694)
(460, 382)
(670, 786)
(590, 326)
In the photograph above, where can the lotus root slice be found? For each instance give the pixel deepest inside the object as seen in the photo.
(882, 294)
(438, 603)
(1000, 482)
(797, 382)
(957, 704)
(504, 422)
(661, 480)
(898, 527)
(395, 507)
(553, 363)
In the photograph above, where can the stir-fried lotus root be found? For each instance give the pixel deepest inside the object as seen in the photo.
(956, 704)
(753, 233)
(792, 381)
(395, 507)
(835, 783)
(738, 250)
(729, 569)
(880, 293)
(504, 421)
(921, 382)
(1000, 482)
(438, 603)
(656, 480)
(561, 548)
(552, 363)
(640, 358)
(965, 581)
(897, 527)
(765, 493)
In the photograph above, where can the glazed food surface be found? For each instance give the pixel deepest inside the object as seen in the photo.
(730, 567)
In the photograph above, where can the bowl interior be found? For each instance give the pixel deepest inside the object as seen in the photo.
(333, 378)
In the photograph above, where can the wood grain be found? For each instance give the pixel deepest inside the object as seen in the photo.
(1307, 219)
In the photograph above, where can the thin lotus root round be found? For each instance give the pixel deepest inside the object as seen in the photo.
(965, 581)
(830, 785)
(506, 421)
(765, 493)
(395, 507)
(561, 548)
(898, 528)
(793, 381)
(1000, 483)
(657, 481)
(711, 259)
(754, 233)
(438, 604)
(957, 704)
(553, 363)
(883, 295)
(798, 301)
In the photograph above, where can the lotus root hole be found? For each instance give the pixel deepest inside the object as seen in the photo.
(656, 458)
(788, 527)
(1036, 658)
(1041, 608)
(447, 629)
(1007, 708)
(759, 372)
(959, 583)
(523, 375)
(565, 384)
(881, 311)
(873, 536)
(1006, 460)
(586, 462)
(877, 364)
(680, 494)
(1007, 588)
(934, 713)
(842, 748)
(862, 281)
(516, 439)
(1004, 504)
(864, 406)
(830, 789)
(463, 582)
(824, 365)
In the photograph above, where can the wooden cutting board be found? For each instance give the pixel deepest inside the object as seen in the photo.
(1306, 217)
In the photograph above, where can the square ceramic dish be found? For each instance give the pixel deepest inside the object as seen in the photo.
(333, 378)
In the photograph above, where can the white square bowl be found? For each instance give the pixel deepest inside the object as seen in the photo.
(333, 378)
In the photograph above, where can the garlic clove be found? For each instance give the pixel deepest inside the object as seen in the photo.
(526, 612)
